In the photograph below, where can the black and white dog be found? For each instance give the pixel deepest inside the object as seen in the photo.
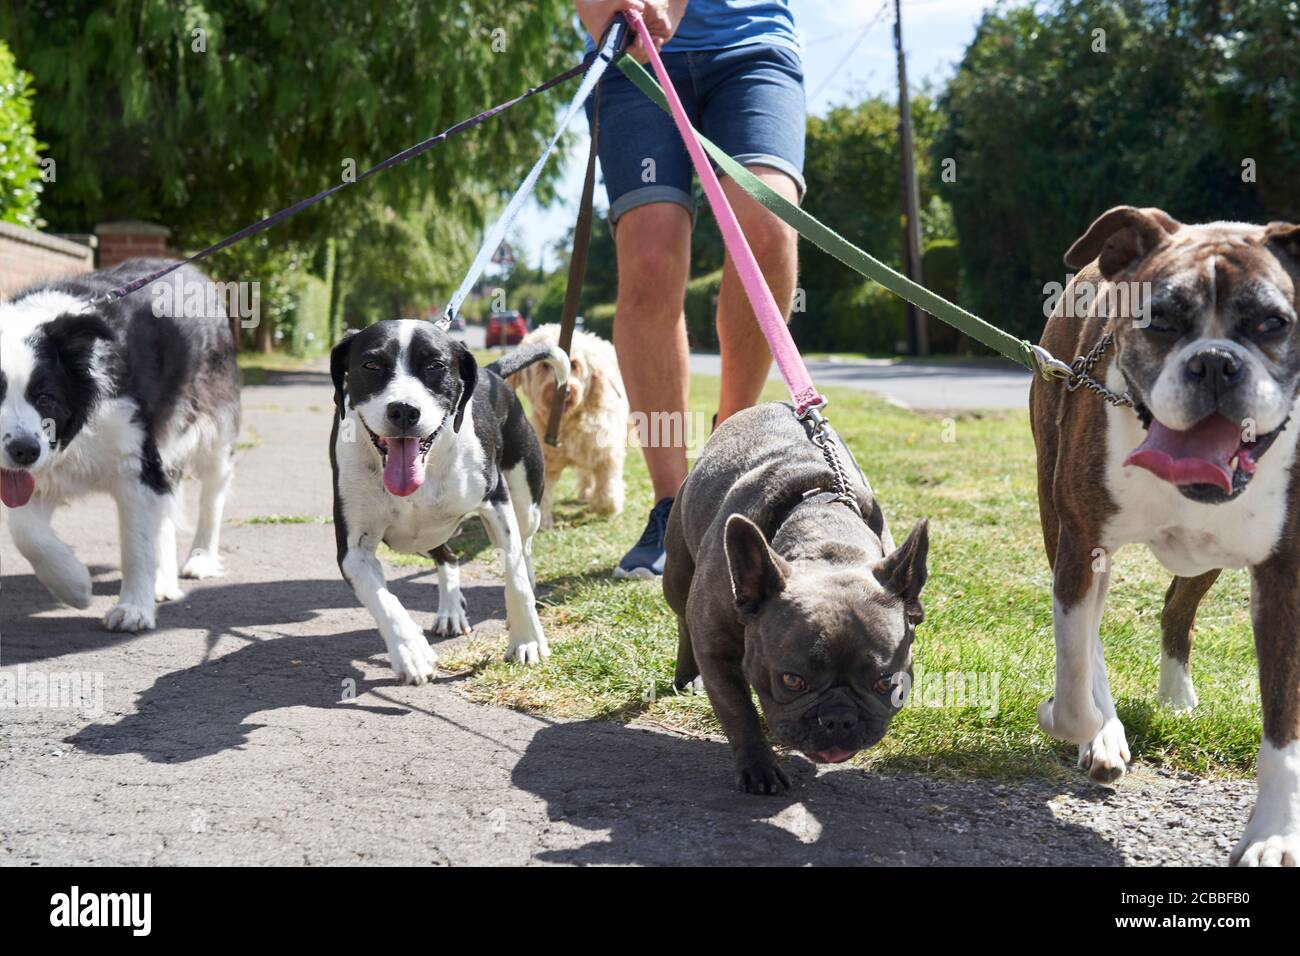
(422, 439)
(122, 398)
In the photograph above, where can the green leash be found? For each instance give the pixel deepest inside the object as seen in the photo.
(1020, 351)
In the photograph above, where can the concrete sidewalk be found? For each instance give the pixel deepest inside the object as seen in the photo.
(261, 724)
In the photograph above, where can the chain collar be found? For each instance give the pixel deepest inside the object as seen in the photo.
(821, 436)
(1079, 372)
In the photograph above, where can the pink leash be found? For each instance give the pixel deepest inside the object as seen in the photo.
(788, 360)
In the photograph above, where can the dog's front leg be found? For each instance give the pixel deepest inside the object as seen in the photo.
(53, 561)
(1078, 596)
(451, 619)
(1272, 836)
(756, 768)
(140, 515)
(527, 642)
(168, 586)
(411, 657)
(1106, 756)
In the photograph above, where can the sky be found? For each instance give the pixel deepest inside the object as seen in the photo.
(848, 55)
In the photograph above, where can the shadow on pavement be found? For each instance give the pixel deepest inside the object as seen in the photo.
(666, 800)
(204, 709)
(214, 608)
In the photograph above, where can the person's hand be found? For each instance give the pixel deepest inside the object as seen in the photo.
(661, 19)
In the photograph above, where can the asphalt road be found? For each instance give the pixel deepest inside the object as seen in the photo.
(919, 385)
(260, 724)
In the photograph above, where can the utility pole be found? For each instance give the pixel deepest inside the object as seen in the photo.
(918, 336)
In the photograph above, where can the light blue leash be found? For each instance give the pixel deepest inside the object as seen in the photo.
(609, 49)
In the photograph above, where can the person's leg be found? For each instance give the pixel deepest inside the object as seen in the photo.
(648, 180)
(746, 358)
(752, 106)
(654, 261)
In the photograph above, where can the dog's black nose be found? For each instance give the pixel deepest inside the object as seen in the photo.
(837, 719)
(23, 451)
(1217, 366)
(403, 416)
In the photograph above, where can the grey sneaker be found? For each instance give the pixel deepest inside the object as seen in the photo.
(646, 559)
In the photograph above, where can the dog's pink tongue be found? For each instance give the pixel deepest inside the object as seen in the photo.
(834, 755)
(16, 487)
(402, 471)
(1198, 456)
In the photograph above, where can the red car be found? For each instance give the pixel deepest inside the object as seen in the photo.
(505, 328)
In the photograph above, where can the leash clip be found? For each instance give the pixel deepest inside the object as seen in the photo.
(813, 413)
(1048, 366)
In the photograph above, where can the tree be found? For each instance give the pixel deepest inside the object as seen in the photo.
(852, 175)
(20, 171)
(1059, 112)
(208, 115)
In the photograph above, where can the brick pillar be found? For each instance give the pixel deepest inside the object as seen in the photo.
(119, 241)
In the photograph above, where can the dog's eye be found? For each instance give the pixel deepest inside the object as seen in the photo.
(794, 682)
(1274, 323)
(436, 367)
(373, 366)
(1161, 324)
(885, 685)
(45, 400)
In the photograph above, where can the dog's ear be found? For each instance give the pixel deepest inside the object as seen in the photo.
(580, 369)
(339, 357)
(76, 335)
(1120, 237)
(467, 368)
(73, 338)
(1286, 237)
(903, 572)
(757, 572)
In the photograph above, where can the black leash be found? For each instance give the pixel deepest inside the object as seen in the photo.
(403, 156)
(577, 270)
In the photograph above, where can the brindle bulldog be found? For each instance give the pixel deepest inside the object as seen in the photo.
(1201, 469)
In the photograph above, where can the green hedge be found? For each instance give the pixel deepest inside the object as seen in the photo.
(308, 317)
(701, 306)
(20, 171)
(701, 303)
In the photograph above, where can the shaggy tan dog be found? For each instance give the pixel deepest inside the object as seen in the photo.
(594, 429)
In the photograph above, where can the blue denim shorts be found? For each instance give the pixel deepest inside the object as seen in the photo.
(749, 100)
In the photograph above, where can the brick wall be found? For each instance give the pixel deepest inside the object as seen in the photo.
(119, 241)
(27, 257)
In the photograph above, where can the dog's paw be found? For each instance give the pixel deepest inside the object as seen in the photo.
(1077, 725)
(528, 650)
(1106, 756)
(694, 687)
(167, 591)
(130, 618)
(202, 564)
(1260, 849)
(759, 773)
(451, 622)
(414, 661)
(67, 581)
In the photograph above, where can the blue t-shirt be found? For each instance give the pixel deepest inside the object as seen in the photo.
(722, 24)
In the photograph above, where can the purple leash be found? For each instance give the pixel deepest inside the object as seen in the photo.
(403, 156)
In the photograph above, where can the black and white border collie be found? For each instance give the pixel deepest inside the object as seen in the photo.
(422, 439)
(122, 398)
